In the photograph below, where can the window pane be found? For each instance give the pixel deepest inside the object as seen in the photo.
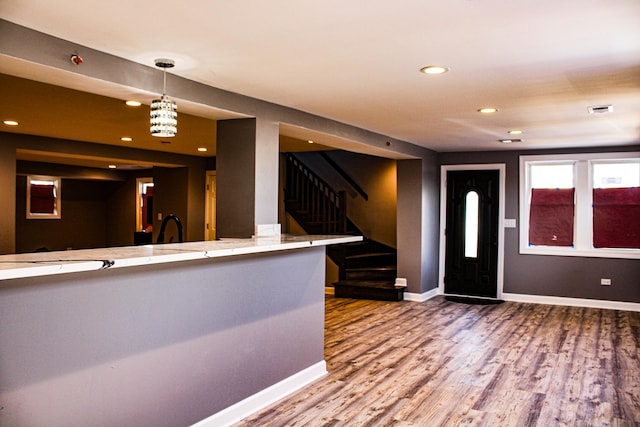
(43, 197)
(471, 225)
(616, 175)
(551, 217)
(616, 218)
(552, 176)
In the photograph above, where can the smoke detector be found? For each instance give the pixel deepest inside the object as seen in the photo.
(600, 109)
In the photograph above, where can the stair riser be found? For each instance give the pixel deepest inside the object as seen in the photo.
(372, 275)
(371, 261)
(367, 247)
(373, 294)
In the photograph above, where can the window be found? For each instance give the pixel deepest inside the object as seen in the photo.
(43, 197)
(551, 204)
(471, 225)
(616, 204)
(580, 205)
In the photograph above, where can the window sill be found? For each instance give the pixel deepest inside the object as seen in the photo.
(585, 253)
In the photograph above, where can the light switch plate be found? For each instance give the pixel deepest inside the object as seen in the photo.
(509, 223)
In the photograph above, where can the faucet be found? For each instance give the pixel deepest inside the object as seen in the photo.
(164, 225)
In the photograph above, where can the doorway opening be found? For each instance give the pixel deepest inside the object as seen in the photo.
(144, 204)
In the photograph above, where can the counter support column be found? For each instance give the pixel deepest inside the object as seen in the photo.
(247, 175)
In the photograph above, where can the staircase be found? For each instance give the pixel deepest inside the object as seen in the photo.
(367, 269)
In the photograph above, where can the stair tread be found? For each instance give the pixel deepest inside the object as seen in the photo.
(385, 284)
(370, 254)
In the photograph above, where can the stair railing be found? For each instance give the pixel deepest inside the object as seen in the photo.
(313, 199)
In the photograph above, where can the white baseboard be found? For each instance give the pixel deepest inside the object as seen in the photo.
(574, 302)
(542, 299)
(264, 398)
(410, 296)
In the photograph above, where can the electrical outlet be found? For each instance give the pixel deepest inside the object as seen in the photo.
(605, 282)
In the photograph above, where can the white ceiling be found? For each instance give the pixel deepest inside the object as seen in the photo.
(540, 62)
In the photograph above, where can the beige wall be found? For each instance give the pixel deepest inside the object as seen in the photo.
(376, 216)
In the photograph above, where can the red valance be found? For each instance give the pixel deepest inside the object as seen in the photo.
(551, 217)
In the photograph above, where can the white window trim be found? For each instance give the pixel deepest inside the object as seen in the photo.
(57, 213)
(583, 226)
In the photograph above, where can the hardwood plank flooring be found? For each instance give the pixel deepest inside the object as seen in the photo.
(441, 363)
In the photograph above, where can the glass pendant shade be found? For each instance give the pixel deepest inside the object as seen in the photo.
(164, 117)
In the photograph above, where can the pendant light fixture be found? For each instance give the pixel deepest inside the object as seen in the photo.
(164, 117)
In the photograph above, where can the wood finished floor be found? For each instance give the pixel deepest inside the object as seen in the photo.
(440, 363)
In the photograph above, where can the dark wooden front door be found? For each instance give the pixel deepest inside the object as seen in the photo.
(471, 233)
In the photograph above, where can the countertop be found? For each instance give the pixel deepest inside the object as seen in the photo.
(59, 262)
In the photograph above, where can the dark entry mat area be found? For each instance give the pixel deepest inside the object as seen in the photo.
(471, 300)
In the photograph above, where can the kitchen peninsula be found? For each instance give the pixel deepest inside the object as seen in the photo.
(174, 334)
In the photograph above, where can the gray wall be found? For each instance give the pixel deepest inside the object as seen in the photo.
(170, 198)
(196, 185)
(418, 223)
(247, 175)
(410, 227)
(561, 276)
(236, 178)
(164, 345)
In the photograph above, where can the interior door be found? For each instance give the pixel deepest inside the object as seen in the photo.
(471, 233)
(210, 206)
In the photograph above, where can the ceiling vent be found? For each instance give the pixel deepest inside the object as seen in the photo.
(600, 109)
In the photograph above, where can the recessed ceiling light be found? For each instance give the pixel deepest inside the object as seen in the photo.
(202, 149)
(434, 69)
(126, 139)
(487, 110)
(509, 140)
(10, 123)
(112, 166)
(132, 103)
(515, 132)
(310, 141)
